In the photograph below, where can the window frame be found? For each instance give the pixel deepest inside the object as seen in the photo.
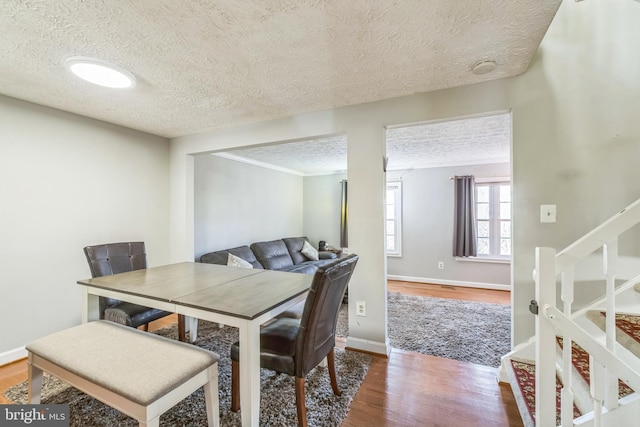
(396, 187)
(494, 221)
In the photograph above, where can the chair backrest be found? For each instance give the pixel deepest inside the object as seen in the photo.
(113, 258)
(316, 336)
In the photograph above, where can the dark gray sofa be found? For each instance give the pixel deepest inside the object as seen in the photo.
(281, 255)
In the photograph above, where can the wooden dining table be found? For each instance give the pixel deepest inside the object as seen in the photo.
(240, 297)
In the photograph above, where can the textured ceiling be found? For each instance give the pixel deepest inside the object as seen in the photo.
(466, 141)
(207, 64)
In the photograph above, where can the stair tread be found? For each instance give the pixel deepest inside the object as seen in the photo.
(580, 361)
(627, 328)
(525, 376)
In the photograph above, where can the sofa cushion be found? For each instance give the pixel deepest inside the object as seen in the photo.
(221, 257)
(294, 245)
(309, 267)
(273, 255)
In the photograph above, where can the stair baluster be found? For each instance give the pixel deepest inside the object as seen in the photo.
(566, 395)
(610, 264)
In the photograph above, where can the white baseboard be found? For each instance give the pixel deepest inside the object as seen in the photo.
(12, 355)
(495, 286)
(369, 346)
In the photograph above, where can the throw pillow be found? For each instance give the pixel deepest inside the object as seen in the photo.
(309, 251)
(236, 261)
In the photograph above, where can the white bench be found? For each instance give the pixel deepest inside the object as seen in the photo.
(140, 374)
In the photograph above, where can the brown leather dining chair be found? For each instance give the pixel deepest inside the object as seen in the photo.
(113, 258)
(296, 346)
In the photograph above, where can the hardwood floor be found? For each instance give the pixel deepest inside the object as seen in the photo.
(408, 389)
(454, 292)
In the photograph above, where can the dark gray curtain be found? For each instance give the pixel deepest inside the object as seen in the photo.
(464, 217)
(344, 240)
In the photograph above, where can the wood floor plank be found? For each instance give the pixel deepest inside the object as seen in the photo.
(407, 389)
(446, 291)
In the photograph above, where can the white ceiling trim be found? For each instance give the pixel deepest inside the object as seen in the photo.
(479, 139)
(258, 163)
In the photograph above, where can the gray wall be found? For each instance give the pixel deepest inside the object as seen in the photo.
(237, 204)
(427, 225)
(67, 182)
(322, 196)
(427, 233)
(576, 133)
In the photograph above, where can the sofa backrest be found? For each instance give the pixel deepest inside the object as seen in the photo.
(294, 245)
(273, 255)
(220, 257)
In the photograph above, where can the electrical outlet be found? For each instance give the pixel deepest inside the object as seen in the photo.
(440, 265)
(361, 308)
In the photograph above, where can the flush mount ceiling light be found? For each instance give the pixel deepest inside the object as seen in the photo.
(100, 72)
(484, 67)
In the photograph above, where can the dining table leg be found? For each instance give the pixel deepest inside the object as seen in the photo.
(90, 308)
(249, 338)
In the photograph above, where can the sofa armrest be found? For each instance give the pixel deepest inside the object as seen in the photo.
(327, 255)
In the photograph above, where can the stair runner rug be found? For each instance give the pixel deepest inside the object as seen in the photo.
(580, 360)
(627, 328)
(525, 373)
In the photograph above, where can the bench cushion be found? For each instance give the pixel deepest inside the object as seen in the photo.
(137, 365)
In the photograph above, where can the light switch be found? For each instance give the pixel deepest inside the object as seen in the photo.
(547, 213)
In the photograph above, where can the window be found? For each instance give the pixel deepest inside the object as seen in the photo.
(394, 218)
(493, 214)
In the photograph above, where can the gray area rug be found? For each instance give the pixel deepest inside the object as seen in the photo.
(277, 406)
(453, 329)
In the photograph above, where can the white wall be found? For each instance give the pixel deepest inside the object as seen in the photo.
(237, 204)
(575, 134)
(427, 225)
(67, 182)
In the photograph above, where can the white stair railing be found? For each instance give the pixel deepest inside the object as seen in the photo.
(605, 366)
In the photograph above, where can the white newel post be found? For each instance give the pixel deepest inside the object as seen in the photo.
(545, 278)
